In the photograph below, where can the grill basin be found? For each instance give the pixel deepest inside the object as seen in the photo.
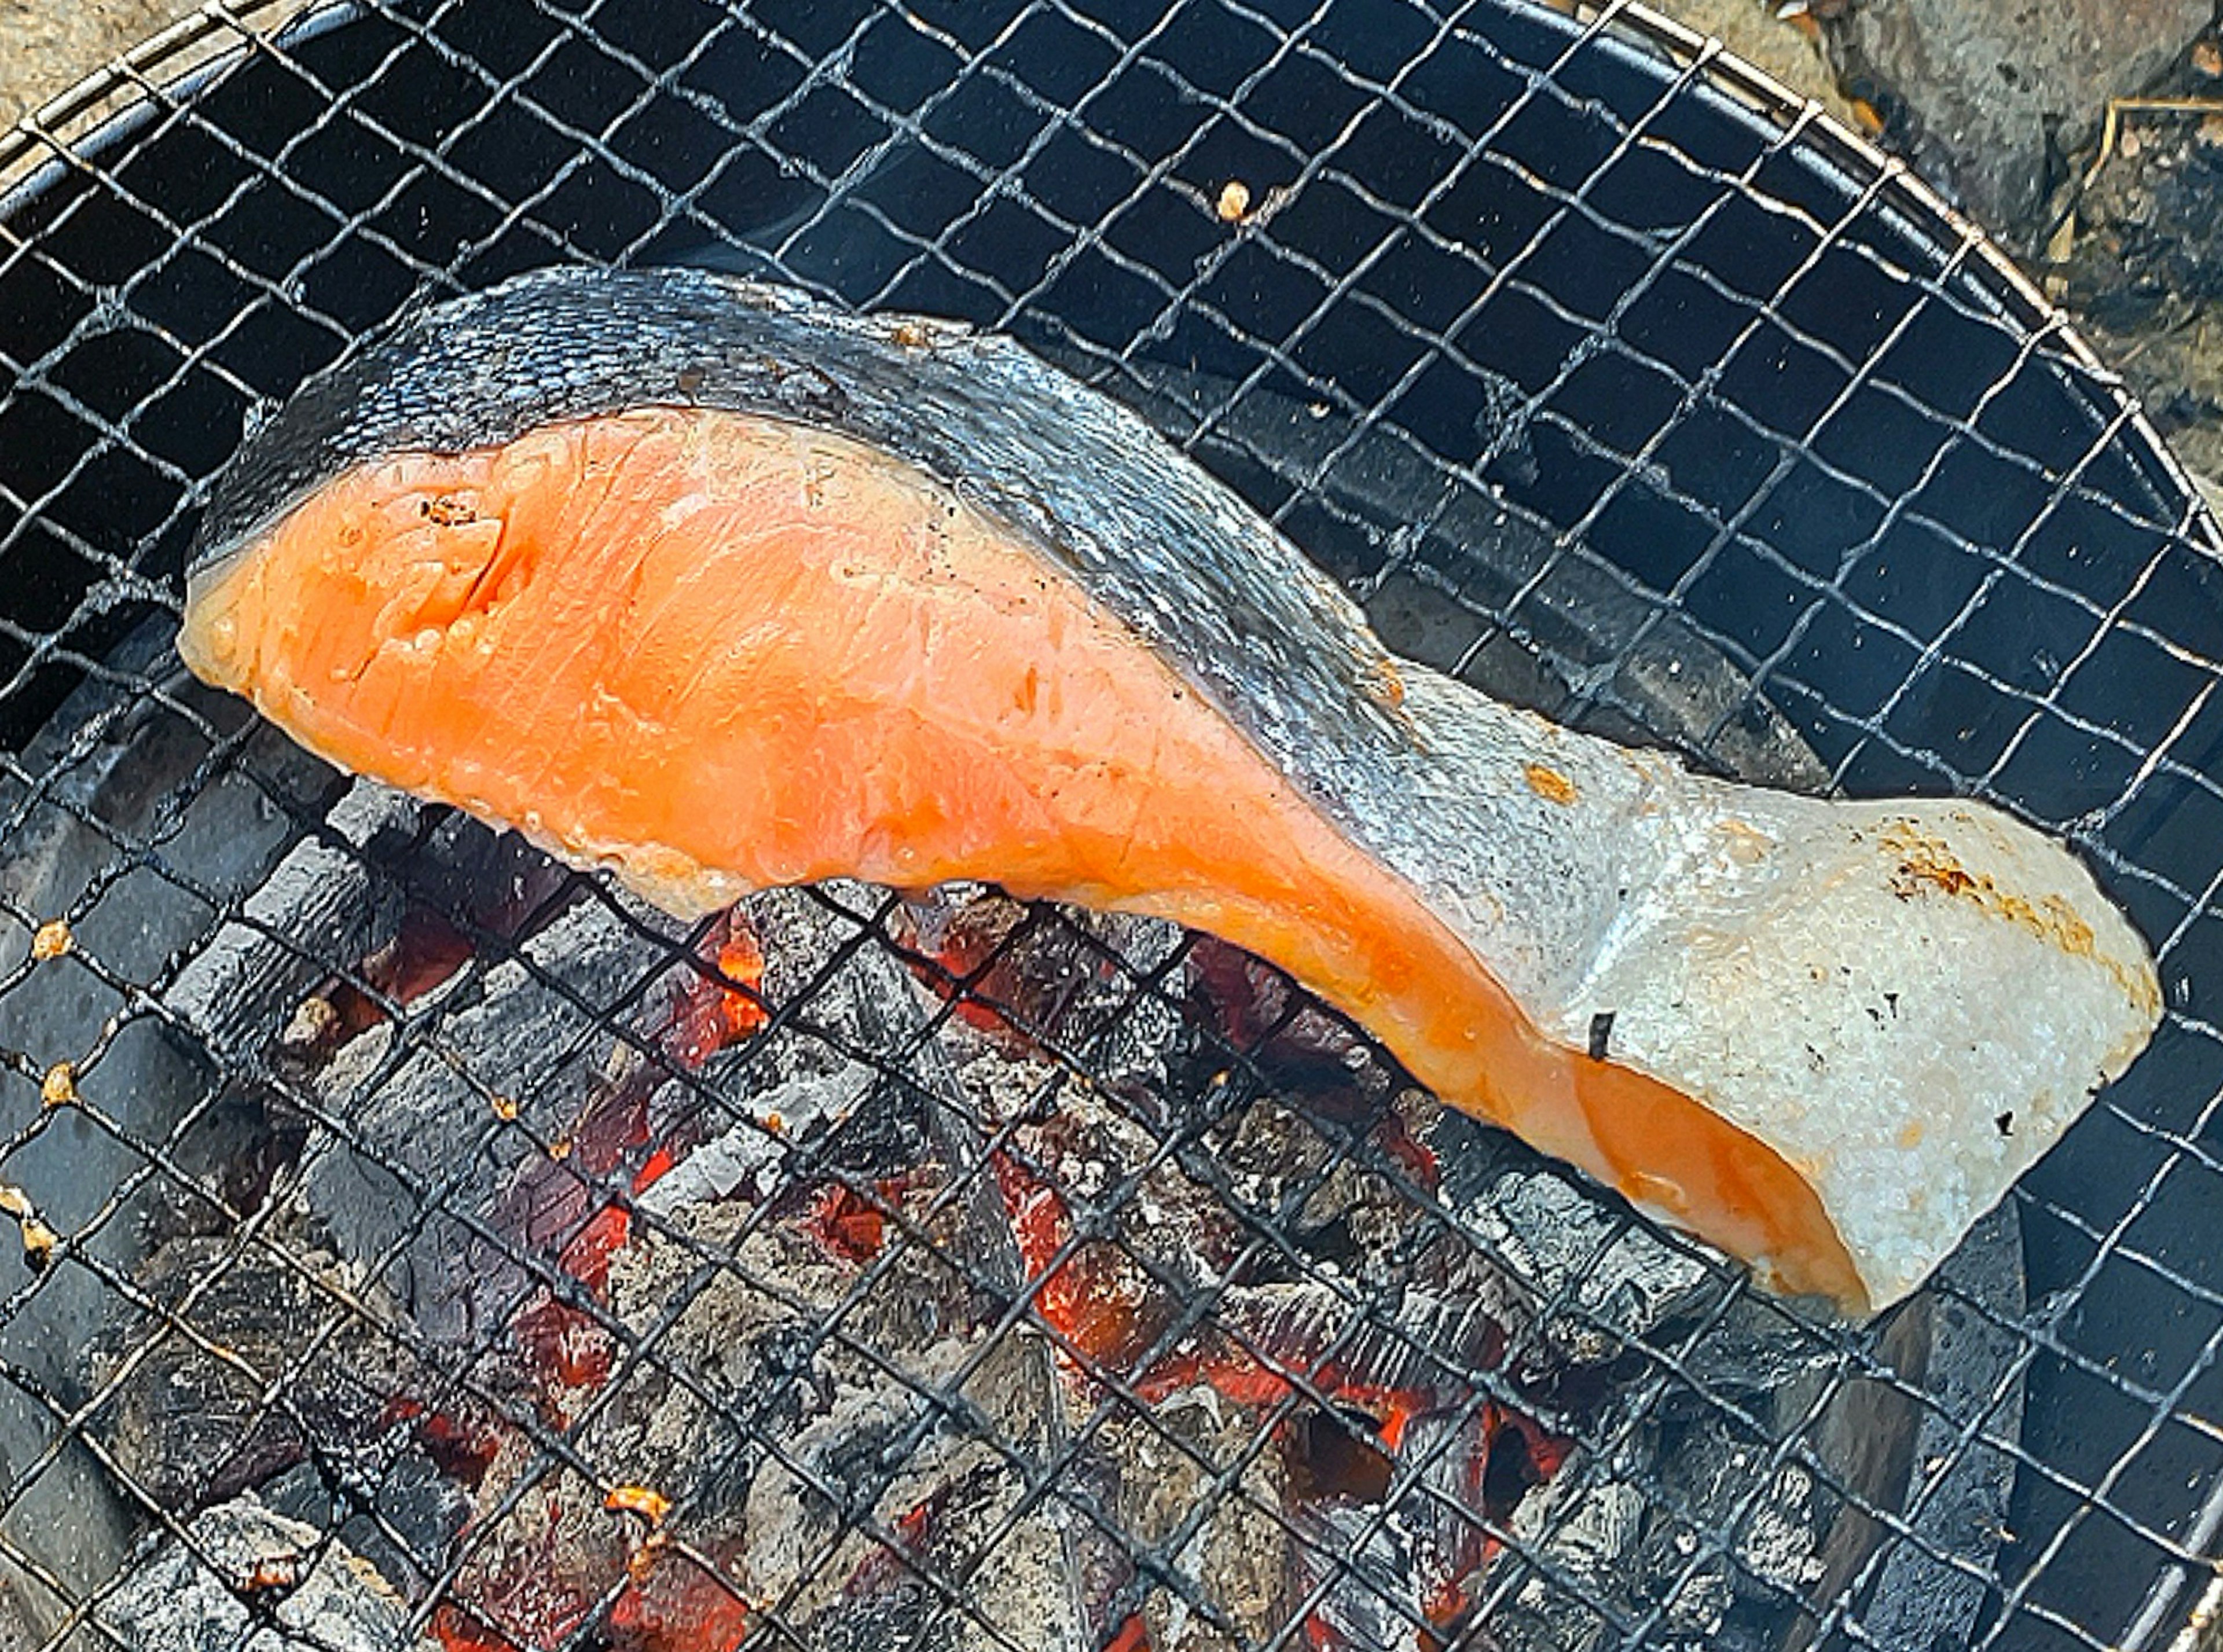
(1602, 378)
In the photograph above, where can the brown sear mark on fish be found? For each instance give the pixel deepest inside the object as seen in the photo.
(1386, 689)
(1549, 783)
(1927, 865)
(450, 510)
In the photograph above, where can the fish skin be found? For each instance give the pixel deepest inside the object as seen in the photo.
(1848, 982)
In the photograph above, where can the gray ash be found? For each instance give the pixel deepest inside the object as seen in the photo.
(246, 1579)
(928, 1272)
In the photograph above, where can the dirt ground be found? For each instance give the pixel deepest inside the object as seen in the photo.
(2119, 216)
(47, 45)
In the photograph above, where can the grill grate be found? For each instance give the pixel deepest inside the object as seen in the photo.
(1606, 377)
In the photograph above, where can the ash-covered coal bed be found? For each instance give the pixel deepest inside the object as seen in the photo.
(853, 1269)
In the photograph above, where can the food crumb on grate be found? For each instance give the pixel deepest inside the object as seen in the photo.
(1234, 204)
(650, 1506)
(38, 1239)
(52, 941)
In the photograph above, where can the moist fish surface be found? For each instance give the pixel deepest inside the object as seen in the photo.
(720, 588)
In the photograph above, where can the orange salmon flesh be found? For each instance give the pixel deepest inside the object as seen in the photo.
(717, 652)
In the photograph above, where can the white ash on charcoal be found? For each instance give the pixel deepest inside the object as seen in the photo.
(749, 1159)
(1659, 1527)
(1407, 1437)
(260, 1375)
(893, 1511)
(847, 1412)
(1584, 1530)
(783, 1317)
(1413, 1340)
(1168, 1209)
(1342, 1360)
(319, 906)
(530, 1094)
(421, 1172)
(1196, 1487)
(1357, 1580)
(1687, 1521)
(250, 1580)
(763, 1316)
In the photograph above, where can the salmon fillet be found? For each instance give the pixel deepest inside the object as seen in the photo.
(718, 589)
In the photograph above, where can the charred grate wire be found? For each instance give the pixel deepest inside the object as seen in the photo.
(1666, 408)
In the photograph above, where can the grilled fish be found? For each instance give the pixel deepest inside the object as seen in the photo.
(717, 588)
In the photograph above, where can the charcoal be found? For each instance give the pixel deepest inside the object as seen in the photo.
(1050, 978)
(254, 1581)
(1422, 1339)
(1284, 1037)
(320, 903)
(1699, 1551)
(738, 1233)
(1664, 1530)
(1602, 1281)
(1191, 1484)
(1778, 1542)
(415, 1122)
(953, 1501)
(381, 1496)
(772, 1338)
(115, 774)
(747, 1159)
(230, 1395)
(115, 768)
(893, 1439)
(1584, 1534)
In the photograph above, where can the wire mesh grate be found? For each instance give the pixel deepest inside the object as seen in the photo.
(424, 1246)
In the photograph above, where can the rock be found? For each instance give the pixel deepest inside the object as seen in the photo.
(2144, 272)
(1991, 89)
(1752, 31)
(46, 46)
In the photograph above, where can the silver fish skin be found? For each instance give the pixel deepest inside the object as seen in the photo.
(1907, 1001)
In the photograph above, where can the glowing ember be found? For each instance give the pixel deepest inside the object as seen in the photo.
(620, 1177)
(847, 1224)
(1091, 1296)
(963, 942)
(672, 1602)
(1134, 1636)
(722, 1012)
